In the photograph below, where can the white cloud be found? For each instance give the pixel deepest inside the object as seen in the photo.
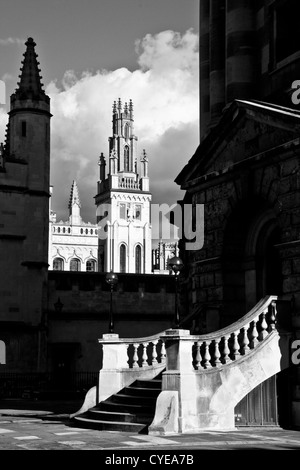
(9, 41)
(165, 94)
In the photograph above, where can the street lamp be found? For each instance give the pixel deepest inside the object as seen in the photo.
(112, 280)
(176, 265)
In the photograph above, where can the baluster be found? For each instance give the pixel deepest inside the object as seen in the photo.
(154, 353)
(273, 312)
(235, 346)
(135, 355)
(264, 326)
(128, 362)
(198, 355)
(207, 356)
(254, 335)
(216, 354)
(145, 355)
(245, 340)
(226, 350)
(163, 352)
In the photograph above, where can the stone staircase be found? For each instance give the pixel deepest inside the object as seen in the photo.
(130, 410)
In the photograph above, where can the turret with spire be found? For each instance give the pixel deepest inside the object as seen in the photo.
(126, 246)
(29, 114)
(74, 205)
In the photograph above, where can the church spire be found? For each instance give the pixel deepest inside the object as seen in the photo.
(74, 196)
(30, 86)
(74, 205)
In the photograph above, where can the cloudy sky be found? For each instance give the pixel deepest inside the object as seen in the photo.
(93, 52)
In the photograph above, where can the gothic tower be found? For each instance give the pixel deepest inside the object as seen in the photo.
(123, 200)
(24, 195)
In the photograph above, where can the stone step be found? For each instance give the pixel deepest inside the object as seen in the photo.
(133, 407)
(154, 383)
(146, 391)
(102, 415)
(104, 425)
(136, 399)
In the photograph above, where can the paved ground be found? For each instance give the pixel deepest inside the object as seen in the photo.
(37, 425)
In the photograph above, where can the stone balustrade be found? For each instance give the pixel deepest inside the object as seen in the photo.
(128, 183)
(230, 343)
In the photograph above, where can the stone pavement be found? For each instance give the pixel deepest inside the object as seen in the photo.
(38, 425)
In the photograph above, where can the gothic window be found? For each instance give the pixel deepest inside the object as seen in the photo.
(123, 258)
(58, 229)
(74, 264)
(90, 265)
(58, 264)
(126, 158)
(69, 230)
(64, 230)
(81, 231)
(126, 131)
(138, 259)
(138, 211)
(123, 211)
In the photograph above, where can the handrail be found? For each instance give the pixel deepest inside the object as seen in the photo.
(141, 352)
(238, 339)
(261, 307)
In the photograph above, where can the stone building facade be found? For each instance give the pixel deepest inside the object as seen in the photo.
(73, 244)
(246, 175)
(123, 200)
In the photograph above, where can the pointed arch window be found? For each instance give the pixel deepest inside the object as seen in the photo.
(90, 265)
(138, 259)
(123, 258)
(126, 131)
(58, 264)
(75, 264)
(126, 158)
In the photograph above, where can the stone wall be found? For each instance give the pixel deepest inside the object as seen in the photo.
(142, 305)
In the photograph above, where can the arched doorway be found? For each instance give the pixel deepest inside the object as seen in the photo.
(250, 262)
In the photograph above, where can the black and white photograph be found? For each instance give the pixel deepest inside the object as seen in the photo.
(149, 228)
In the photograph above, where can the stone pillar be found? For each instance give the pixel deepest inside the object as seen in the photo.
(114, 361)
(178, 386)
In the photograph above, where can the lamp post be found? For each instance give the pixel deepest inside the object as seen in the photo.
(112, 280)
(176, 265)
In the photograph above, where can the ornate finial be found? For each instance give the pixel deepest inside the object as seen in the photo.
(130, 106)
(119, 104)
(126, 108)
(114, 107)
(144, 156)
(101, 160)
